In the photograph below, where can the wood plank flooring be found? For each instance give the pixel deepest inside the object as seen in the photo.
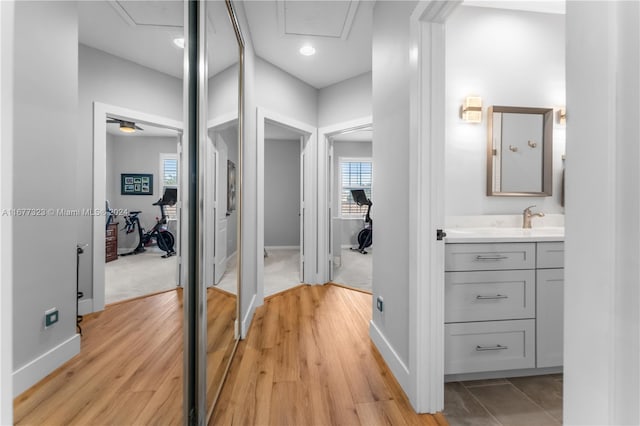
(129, 370)
(308, 360)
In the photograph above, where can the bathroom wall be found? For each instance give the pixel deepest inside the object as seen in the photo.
(509, 58)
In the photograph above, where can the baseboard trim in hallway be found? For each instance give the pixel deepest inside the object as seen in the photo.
(32, 372)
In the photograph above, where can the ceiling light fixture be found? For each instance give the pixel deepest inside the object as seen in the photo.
(179, 41)
(307, 50)
(127, 127)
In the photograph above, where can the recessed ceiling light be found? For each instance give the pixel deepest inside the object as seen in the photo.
(307, 50)
(179, 41)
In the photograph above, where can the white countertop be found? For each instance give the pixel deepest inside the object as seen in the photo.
(503, 235)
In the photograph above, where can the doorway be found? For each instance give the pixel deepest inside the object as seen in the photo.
(351, 248)
(134, 269)
(291, 190)
(164, 127)
(283, 208)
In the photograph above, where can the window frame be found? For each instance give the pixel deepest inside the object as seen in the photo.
(170, 211)
(347, 159)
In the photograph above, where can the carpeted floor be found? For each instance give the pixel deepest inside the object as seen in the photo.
(139, 275)
(354, 269)
(146, 273)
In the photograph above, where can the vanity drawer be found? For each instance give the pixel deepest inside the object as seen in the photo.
(489, 257)
(489, 346)
(489, 295)
(550, 255)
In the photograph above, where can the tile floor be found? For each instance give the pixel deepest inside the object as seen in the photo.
(520, 401)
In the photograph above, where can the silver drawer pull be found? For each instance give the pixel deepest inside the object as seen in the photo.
(491, 348)
(497, 296)
(493, 258)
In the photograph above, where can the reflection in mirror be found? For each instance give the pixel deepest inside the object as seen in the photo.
(519, 151)
(221, 218)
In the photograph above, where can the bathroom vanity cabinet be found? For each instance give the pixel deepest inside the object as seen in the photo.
(503, 308)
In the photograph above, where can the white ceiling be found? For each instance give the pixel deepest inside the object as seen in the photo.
(543, 6)
(340, 31)
(143, 32)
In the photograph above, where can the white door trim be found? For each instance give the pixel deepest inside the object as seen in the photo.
(310, 188)
(426, 209)
(6, 200)
(100, 112)
(324, 192)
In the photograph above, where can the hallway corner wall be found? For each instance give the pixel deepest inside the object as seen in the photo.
(44, 173)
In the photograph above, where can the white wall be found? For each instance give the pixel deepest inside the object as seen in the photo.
(602, 256)
(6, 202)
(509, 58)
(279, 91)
(223, 92)
(347, 100)
(391, 179)
(349, 226)
(44, 161)
(115, 81)
(137, 154)
(248, 287)
(281, 192)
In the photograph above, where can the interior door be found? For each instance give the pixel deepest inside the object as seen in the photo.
(220, 209)
(330, 195)
(302, 208)
(209, 208)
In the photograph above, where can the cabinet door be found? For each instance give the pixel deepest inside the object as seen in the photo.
(549, 317)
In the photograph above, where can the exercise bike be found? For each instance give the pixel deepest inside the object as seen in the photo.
(365, 236)
(163, 237)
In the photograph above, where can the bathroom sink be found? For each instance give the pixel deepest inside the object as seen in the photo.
(491, 234)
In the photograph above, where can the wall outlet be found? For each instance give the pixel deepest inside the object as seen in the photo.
(50, 317)
(380, 303)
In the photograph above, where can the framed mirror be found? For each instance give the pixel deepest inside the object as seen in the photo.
(519, 151)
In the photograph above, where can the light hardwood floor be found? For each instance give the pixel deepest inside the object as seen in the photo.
(129, 370)
(308, 360)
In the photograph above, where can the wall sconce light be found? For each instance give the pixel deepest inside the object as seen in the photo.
(471, 109)
(562, 115)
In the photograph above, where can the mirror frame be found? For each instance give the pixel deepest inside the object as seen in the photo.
(547, 147)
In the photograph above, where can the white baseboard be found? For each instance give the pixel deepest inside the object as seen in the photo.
(36, 370)
(85, 306)
(394, 362)
(282, 247)
(246, 321)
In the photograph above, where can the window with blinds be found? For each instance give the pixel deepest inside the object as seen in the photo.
(169, 179)
(354, 174)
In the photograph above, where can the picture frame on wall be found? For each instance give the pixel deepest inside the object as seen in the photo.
(136, 184)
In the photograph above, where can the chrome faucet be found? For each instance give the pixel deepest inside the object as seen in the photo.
(527, 215)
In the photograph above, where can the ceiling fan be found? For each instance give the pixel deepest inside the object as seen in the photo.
(125, 126)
